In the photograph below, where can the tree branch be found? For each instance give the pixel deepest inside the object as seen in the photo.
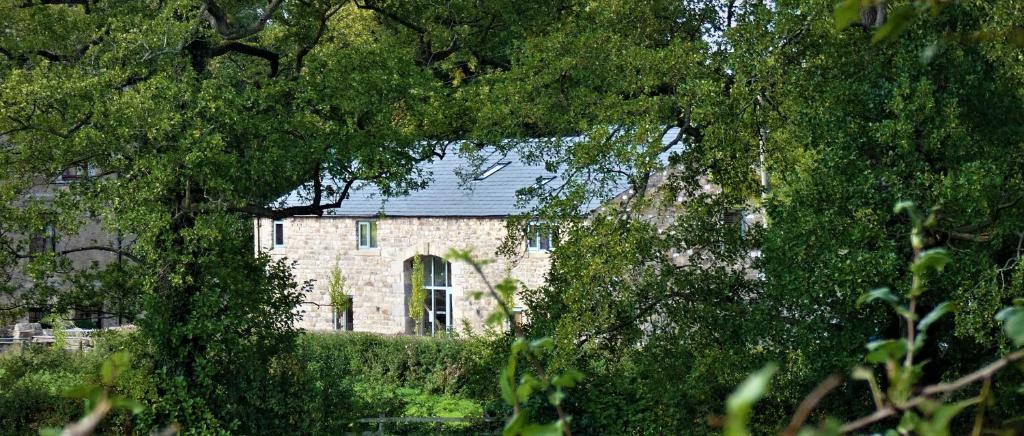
(101, 248)
(224, 26)
(808, 404)
(300, 56)
(940, 388)
(314, 208)
(237, 47)
(84, 3)
(370, 5)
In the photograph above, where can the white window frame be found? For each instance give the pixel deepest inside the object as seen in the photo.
(370, 232)
(534, 237)
(274, 233)
(433, 292)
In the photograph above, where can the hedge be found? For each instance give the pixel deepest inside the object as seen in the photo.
(339, 378)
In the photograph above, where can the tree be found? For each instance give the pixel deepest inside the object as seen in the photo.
(843, 128)
(199, 116)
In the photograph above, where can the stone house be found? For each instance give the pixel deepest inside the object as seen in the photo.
(373, 240)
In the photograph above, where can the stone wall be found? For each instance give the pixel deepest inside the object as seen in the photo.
(376, 278)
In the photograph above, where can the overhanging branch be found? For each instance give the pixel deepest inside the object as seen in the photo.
(314, 208)
(225, 26)
(237, 47)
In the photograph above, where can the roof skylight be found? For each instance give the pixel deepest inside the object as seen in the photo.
(493, 169)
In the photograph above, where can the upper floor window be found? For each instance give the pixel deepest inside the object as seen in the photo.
(367, 234)
(278, 233)
(539, 236)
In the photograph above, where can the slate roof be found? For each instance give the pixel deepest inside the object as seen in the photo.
(449, 194)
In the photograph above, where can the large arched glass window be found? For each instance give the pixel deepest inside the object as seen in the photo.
(437, 282)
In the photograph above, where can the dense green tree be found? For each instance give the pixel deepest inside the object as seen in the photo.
(199, 115)
(842, 128)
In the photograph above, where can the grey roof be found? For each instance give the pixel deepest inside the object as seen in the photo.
(450, 193)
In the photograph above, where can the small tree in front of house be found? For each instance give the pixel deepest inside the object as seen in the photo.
(340, 301)
(417, 295)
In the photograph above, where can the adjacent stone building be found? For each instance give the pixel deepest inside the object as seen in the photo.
(88, 246)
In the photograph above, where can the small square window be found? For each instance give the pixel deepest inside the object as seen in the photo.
(366, 234)
(278, 233)
(539, 237)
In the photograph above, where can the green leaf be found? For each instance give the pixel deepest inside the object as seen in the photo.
(933, 259)
(553, 429)
(83, 391)
(908, 422)
(541, 344)
(885, 349)
(938, 425)
(846, 13)
(507, 392)
(107, 372)
(884, 294)
(514, 424)
(862, 373)
(524, 391)
(741, 402)
(568, 379)
(899, 19)
(1013, 324)
(936, 313)
(909, 207)
(127, 404)
(556, 397)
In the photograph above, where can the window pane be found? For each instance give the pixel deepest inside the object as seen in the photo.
(428, 268)
(349, 322)
(448, 274)
(440, 270)
(363, 235)
(440, 314)
(279, 233)
(450, 310)
(373, 233)
(428, 314)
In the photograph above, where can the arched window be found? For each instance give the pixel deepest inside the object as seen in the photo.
(437, 304)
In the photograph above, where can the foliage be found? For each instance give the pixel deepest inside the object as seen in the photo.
(98, 398)
(521, 384)
(418, 294)
(44, 387)
(340, 300)
(198, 117)
(923, 409)
(202, 115)
(339, 378)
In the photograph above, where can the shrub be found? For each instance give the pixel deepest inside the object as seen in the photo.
(328, 384)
